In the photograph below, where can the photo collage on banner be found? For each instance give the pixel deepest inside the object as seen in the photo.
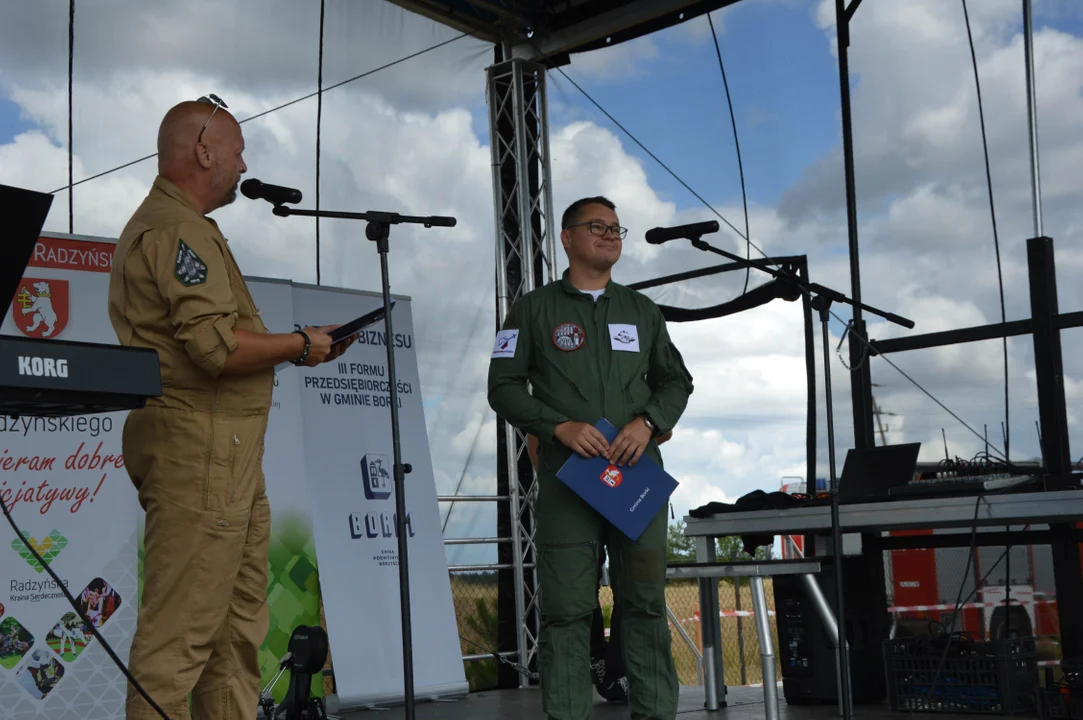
(64, 481)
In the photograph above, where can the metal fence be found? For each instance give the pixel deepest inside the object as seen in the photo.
(475, 599)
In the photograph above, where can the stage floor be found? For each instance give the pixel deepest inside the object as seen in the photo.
(744, 703)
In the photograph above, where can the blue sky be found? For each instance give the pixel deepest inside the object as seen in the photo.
(784, 88)
(10, 122)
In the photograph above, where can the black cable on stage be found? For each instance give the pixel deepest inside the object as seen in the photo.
(319, 123)
(71, 77)
(1000, 282)
(518, 667)
(992, 212)
(740, 166)
(284, 105)
(79, 611)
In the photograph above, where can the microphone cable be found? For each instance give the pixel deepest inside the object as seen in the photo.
(992, 212)
(78, 611)
(740, 166)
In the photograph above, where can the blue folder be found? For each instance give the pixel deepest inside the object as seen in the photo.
(629, 497)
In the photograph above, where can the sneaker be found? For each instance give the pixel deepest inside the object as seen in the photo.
(597, 672)
(615, 691)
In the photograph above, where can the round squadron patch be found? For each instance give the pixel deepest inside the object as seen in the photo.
(569, 337)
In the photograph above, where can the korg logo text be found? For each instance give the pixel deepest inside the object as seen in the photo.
(42, 367)
(377, 525)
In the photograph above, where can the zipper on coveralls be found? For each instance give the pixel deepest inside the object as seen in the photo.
(601, 346)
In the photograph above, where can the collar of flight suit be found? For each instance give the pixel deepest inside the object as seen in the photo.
(173, 192)
(567, 286)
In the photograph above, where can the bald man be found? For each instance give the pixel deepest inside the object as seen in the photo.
(195, 453)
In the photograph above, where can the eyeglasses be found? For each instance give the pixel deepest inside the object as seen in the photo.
(600, 228)
(210, 99)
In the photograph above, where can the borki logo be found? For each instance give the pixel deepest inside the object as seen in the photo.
(612, 476)
(40, 307)
(378, 525)
(48, 548)
(376, 473)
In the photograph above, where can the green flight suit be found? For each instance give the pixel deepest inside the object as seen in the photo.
(584, 360)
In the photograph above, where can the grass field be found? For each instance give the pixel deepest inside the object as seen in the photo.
(476, 610)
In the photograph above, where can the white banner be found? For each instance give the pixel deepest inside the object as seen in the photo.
(65, 483)
(346, 417)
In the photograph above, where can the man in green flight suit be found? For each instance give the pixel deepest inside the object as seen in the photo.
(591, 348)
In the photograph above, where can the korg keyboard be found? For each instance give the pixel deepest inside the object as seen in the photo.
(55, 378)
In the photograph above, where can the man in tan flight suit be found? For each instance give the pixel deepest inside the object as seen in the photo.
(195, 453)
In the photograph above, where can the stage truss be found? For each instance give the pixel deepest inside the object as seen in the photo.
(525, 259)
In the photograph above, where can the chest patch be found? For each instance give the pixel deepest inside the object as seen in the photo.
(569, 337)
(624, 338)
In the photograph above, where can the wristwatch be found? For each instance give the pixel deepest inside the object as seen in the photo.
(650, 424)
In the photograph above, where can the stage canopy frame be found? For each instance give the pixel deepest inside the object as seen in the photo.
(532, 36)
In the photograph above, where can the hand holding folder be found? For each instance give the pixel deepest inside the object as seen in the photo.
(628, 496)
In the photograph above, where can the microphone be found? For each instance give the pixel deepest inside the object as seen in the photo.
(274, 194)
(657, 236)
(440, 221)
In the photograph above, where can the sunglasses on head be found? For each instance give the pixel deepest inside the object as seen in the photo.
(210, 99)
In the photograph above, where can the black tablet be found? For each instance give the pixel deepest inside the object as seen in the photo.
(354, 326)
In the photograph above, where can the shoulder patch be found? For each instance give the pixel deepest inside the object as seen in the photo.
(506, 340)
(189, 268)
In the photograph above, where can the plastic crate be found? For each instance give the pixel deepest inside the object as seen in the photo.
(1060, 701)
(993, 678)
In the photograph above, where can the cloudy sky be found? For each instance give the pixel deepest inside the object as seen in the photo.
(414, 138)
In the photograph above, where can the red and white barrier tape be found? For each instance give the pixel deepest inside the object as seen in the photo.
(924, 608)
(894, 609)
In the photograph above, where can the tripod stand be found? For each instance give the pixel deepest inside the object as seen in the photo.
(820, 299)
(378, 230)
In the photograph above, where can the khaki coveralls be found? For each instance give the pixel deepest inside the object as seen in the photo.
(585, 360)
(195, 457)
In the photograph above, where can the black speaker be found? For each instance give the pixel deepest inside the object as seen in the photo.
(806, 654)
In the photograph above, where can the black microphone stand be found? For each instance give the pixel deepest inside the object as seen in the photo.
(821, 298)
(379, 231)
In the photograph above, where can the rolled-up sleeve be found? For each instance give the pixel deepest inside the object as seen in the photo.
(192, 275)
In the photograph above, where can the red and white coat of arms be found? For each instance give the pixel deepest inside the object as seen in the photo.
(40, 307)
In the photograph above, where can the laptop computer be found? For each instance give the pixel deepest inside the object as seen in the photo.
(869, 474)
(629, 497)
(24, 212)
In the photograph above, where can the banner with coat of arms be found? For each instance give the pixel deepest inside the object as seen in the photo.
(65, 483)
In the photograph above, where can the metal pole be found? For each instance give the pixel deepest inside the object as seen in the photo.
(551, 221)
(821, 305)
(1032, 118)
(767, 648)
(860, 381)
